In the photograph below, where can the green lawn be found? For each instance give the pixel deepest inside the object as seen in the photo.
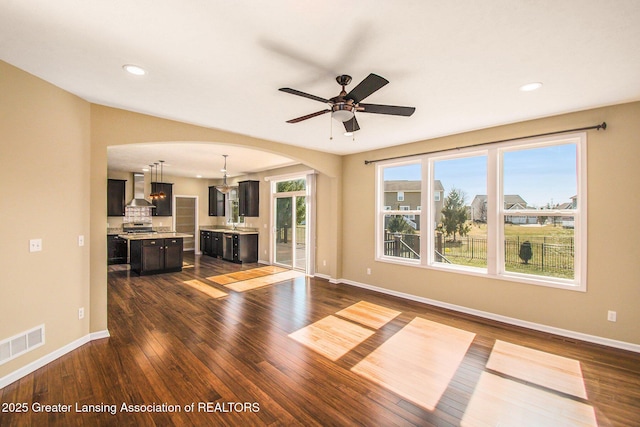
(555, 260)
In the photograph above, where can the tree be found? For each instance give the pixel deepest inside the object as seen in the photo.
(454, 214)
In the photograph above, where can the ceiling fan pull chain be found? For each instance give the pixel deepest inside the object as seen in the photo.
(330, 129)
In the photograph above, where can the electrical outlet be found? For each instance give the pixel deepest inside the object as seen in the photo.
(80, 240)
(612, 316)
(35, 245)
(81, 313)
(368, 271)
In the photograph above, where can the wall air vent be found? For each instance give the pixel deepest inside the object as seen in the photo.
(17, 345)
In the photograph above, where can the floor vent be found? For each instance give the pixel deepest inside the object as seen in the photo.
(17, 345)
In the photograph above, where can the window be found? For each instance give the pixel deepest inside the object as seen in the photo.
(398, 231)
(232, 210)
(514, 211)
(539, 229)
(400, 196)
(458, 239)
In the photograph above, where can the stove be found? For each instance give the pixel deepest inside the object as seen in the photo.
(135, 227)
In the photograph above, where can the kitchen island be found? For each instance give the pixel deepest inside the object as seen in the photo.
(155, 253)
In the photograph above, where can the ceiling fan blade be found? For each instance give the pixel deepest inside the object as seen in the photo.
(351, 125)
(370, 84)
(393, 110)
(308, 116)
(303, 94)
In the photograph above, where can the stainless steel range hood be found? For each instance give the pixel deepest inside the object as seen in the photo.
(138, 193)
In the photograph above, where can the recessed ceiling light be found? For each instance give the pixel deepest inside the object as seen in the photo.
(348, 134)
(530, 86)
(145, 169)
(198, 176)
(134, 69)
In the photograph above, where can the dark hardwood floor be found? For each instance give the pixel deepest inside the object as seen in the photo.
(232, 358)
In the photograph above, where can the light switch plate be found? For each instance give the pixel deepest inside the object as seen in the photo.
(80, 240)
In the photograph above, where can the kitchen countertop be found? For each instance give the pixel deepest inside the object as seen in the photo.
(160, 235)
(228, 230)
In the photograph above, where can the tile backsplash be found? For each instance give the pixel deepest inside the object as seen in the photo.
(137, 214)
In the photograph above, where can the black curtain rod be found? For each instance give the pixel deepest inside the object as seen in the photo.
(602, 126)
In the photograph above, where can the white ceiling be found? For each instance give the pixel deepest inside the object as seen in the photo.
(219, 63)
(193, 159)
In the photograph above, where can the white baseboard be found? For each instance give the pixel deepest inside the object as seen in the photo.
(37, 364)
(99, 335)
(327, 277)
(499, 318)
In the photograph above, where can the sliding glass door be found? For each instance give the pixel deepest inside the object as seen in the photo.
(290, 224)
(290, 229)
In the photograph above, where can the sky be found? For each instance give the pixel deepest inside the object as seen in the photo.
(541, 176)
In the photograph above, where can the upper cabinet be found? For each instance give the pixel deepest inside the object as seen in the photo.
(216, 202)
(249, 198)
(115, 197)
(164, 207)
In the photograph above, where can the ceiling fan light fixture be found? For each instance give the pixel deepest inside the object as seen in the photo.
(342, 112)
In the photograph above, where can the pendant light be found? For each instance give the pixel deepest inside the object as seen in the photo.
(224, 188)
(161, 194)
(152, 195)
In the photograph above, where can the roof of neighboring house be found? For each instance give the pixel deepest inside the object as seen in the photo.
(406, 185)
(510, 200)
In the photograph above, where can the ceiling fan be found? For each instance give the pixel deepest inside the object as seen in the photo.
(344, 106)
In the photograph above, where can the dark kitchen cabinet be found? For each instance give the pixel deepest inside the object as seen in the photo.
(206, 243)
(211, 243)
(152, 256)
(116, 249)
(249, 198)
(216, 202)
(115, 197)
(173, 254)
(240, 248)
(164, 207)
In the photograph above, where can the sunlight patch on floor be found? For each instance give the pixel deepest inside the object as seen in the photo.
(369, 314)
(499, 401)
(331, 337)
(207, 289)
(418, 362)
(538, 367)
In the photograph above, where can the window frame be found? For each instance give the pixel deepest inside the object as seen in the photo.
(382, 212)
(496, 211)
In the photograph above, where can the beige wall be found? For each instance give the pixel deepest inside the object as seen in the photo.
(44, 170)
(613, 237)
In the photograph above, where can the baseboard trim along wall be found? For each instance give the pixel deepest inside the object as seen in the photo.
(327, 277)
(499, 318)
(37, 364)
